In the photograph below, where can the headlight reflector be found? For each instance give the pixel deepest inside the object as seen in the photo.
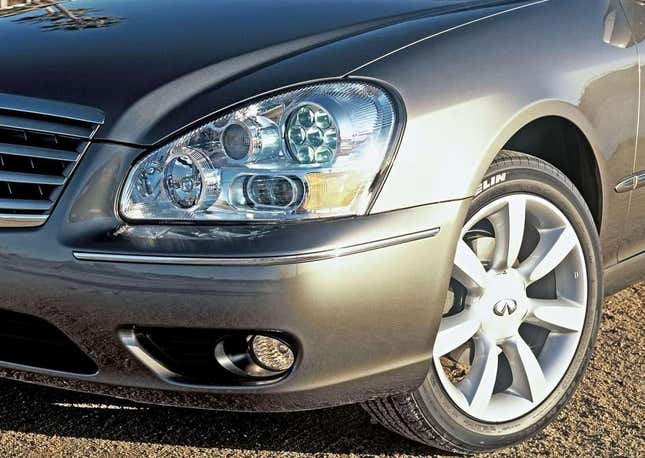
(309, 153)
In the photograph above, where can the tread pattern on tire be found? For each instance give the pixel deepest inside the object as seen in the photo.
(401, 413)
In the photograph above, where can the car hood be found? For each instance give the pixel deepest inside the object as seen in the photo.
(155, 65)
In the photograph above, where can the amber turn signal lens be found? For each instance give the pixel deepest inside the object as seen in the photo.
(332, 190)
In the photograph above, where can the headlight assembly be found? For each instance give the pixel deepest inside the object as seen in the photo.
(309, 153)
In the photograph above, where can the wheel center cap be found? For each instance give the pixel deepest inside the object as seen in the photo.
(503, 306)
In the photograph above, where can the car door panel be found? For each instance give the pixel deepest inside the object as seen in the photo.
(633, 242)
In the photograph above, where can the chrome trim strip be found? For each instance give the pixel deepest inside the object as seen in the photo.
(641, 179)
(44, 371)
(53, 108)
(129, 338)
(627, 184)
(8, 220)
(254, 261)
(632, 182)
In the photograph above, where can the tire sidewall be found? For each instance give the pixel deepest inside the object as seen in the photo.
(537, 178)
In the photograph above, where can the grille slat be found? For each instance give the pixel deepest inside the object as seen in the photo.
(43, 107)
(8, 220)
(41, 142)
(31, 178)
(45, 126)
(40, 153)
(25, 204)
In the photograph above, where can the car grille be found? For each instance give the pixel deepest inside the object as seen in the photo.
(40, 145)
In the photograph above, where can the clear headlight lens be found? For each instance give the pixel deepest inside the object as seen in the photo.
(309, 153)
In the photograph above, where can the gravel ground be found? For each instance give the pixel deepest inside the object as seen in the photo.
(606, 417)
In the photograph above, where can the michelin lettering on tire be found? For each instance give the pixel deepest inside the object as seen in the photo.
(489, 182)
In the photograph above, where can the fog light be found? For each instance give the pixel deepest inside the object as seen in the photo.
(254, 356)
(272, 354)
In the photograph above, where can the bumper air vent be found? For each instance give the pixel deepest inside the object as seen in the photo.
(33, 342)
(212, 357)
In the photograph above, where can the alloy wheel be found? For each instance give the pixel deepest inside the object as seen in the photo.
(516, 308)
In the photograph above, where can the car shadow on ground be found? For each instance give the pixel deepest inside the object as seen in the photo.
(33, 409)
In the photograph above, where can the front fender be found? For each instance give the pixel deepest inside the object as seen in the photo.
(475, 86)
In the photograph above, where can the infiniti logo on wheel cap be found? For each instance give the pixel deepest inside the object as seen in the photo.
(505, 307)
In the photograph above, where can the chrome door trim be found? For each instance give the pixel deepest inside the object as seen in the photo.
(627, 184)
(632, 182)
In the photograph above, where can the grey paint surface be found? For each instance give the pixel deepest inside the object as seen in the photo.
(471, 75)
(151, 77)
(571, 73)
(634, 237)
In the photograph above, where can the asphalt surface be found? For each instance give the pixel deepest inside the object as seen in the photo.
(606, 417)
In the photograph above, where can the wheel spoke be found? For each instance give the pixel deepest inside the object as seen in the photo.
(478, 385)
(554, 246)
(454, 331)
(528, 377)
(509, 232)
(469, 271)
(559, 315)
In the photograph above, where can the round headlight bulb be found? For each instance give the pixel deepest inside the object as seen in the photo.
(187, 176)
(311, 128)
(183, 181)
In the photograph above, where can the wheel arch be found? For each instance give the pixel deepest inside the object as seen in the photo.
(559, 133)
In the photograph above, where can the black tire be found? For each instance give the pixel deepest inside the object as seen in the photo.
(428, 415)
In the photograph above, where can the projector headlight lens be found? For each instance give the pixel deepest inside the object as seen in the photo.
(309, 153)
(236, 141)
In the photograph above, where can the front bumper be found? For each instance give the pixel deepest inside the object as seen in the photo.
(361, 296)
